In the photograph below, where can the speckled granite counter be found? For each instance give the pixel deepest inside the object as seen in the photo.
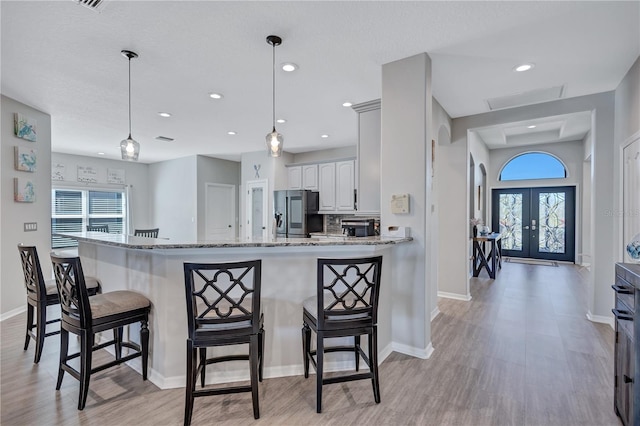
(154, 267)
(132, 242)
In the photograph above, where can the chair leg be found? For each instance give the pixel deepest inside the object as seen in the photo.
(253, 371)
(319, 368)
(356, 349)
(306, 348)
(29, 325)
(373, 359)
(202, 365)
(64, 350)
(41, 330)
(144, 343)
(260, 353)
(86, 353)
(117, 336)
(191, 382)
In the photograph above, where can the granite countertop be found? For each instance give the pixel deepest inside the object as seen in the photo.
(133, 242)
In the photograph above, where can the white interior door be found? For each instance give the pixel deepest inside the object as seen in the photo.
(257, 210)
(220, 211)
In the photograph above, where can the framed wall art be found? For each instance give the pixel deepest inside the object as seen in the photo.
(24, 127)
(25, 159)
(24, 190)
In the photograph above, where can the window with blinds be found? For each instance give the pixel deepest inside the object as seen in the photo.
(73, 210)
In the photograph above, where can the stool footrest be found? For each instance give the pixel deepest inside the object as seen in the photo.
(227, 358)
(340, 379)
(221, 391)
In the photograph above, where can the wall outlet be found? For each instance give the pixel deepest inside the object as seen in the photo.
(30, 226)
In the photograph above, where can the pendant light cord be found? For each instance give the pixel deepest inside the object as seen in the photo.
(129, 97)
(273, 97)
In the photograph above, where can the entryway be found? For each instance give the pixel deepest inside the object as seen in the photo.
(536, 223)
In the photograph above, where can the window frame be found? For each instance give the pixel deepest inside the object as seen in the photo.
(506, 163)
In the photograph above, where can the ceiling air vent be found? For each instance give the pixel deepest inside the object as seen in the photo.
(164, 139)
(96, 5)
(526, 98)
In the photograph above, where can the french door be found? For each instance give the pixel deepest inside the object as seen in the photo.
(536, 223)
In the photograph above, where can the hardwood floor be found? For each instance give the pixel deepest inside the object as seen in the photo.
(521, 353)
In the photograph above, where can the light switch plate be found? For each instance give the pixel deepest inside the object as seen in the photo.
(30, 226)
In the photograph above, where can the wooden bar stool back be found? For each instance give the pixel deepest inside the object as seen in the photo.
(151, 233)
(85, 316)
(98, 228)
(223, 308)
(40, 294)
(346, 305)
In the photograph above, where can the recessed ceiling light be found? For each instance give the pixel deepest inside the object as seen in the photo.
(324, 136)
(524, 67)
(289, 67)
(164, 114)
(281, 120)
(216, 95)
(347, 104)
(231, 132)
(531, 127)
(101, 153)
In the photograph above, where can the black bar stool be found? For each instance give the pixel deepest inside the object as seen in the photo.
(223, 308)
(346, 305)
(151, 233)
(86, 316)
(98, 228)
(40, 294)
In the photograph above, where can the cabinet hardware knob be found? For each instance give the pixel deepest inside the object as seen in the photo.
(627, 379)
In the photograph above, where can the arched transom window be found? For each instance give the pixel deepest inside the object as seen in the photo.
(533, 165)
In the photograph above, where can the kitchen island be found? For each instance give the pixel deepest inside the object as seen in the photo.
(154, 267)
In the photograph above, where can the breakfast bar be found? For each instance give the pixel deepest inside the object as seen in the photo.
(154, 268)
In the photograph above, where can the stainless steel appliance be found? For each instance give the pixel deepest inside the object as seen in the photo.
(296, 213)
(359, 227)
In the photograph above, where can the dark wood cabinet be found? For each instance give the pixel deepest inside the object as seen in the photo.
(627, 356)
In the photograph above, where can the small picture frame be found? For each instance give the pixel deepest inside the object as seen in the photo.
(25, 127)
(24, 190)
(25, 159)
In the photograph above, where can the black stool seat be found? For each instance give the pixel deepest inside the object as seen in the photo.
(223, 308)
(40, 294)
(86, 316)
(346, 305)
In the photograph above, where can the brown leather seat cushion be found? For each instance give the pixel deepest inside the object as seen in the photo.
(116, 302)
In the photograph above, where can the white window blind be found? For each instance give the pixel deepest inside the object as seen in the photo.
(72, 210)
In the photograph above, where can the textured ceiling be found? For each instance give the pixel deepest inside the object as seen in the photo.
(64, 59)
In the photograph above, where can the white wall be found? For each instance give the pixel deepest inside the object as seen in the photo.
(173, 198)
(602, 108)
(332, 154)
(136, 177)
(405, 146)
(214, 170)
(14, 214)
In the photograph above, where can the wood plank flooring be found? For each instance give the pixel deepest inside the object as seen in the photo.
(520, 353)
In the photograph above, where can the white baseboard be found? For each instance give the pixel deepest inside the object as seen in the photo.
(455, 296)
(13, 313)
(435, 313)
(412, 351)
(601, 319)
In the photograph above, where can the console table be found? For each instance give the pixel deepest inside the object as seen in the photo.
(490, 260)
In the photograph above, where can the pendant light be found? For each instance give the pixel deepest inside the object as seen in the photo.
(274, 139)
(129, 147)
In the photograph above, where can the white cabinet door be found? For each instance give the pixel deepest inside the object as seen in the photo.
(295, 177)
(310, 177)
(345, 185)
(327, 186)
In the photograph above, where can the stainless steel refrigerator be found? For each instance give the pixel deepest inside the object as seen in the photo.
(296, 213)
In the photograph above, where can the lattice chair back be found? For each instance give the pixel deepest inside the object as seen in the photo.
(33, 279)
(72, 289)
(348, 291)
(98, 228)
(223, 297)
(151, 233)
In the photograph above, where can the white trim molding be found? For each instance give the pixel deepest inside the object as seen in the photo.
(435, 313)
(412, 351)
(601, 319)
(455, 296)
(12, 313)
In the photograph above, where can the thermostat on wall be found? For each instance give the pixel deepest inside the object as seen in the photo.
(400, 203)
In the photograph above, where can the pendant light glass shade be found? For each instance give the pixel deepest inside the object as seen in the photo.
(274, 139)
(129, 148)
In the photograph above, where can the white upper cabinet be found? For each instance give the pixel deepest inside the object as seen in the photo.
(310, 177)
(368, 170)
(345, 186)
(295, 177)
(327, 186)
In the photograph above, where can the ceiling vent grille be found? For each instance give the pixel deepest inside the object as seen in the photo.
(96, 5)
(526, 98)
